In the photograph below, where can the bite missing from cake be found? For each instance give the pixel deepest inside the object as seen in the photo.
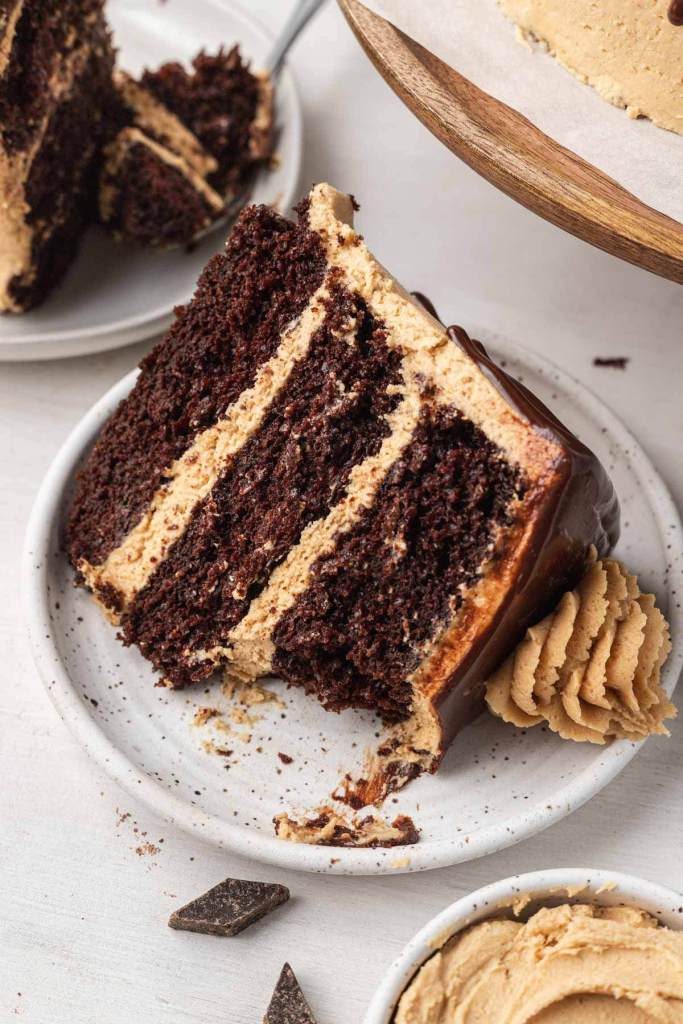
(312, 478)
(185, 144)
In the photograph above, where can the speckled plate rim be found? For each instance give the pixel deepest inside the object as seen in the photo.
(268, 849)
(596, 885)
(128, 330)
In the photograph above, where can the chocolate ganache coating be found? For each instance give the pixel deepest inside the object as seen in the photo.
(583, 513)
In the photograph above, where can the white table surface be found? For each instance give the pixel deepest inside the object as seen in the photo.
(83, 936)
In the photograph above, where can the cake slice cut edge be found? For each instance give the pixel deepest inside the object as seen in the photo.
(377, 515)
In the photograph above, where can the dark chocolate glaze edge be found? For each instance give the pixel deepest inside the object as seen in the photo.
(582, 512)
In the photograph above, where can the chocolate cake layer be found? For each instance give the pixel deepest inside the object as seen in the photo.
(244, 301)
(330, 416)
(38, 36)
(394, 580)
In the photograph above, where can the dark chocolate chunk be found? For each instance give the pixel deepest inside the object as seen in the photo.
(288, 1004)
(230, 907)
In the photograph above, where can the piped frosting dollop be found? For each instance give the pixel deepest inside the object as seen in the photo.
(591, 669)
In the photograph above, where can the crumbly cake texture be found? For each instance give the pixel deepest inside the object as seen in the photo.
(330, 828)
(186, 143)
(312, 478)
(631, 52)
(56, 64)
(591, 669)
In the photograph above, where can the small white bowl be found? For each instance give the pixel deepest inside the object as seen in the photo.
(605, 888)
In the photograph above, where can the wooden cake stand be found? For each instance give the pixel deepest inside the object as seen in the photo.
(509, 151)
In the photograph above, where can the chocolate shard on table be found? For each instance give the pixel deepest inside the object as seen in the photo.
(230, 907)
(288, 1004)
(313, 478)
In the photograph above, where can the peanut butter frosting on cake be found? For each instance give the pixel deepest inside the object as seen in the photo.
(313, 478)
(631, 52)
(55, 90)
(591, 669)
(570, 964)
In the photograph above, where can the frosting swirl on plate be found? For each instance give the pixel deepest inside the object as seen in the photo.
(565, 965)
(591, 669)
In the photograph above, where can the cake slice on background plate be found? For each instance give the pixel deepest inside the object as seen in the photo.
(56, 63)
(313, 478)
(184, 145)
(153, 196)
(228, 107)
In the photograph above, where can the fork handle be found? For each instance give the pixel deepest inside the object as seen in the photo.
(298, 19)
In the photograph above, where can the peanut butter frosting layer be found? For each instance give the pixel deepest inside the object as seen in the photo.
(191, 477)
(9, 19)
(565, 965)
(591, 669)
(631, 52)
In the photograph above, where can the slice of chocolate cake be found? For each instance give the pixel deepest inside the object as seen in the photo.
(161, 184)
(55, 90)
(228, 108)
(153, 196)
(313, 478)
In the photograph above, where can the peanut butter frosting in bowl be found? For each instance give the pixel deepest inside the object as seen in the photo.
(566, 964)
(591, 669)
(565, 946)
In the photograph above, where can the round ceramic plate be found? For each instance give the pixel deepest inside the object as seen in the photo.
(116, 294)
(145, 737)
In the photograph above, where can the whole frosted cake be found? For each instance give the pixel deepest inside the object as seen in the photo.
(629, 50)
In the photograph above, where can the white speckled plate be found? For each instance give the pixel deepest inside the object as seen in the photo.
(497, 785)
(117, 294)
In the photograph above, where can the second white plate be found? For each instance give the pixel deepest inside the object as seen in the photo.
(117, 294)
(497, 786)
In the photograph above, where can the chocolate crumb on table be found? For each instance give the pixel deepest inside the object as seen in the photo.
(288, 1004)
(613, 362)
(230, 907)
